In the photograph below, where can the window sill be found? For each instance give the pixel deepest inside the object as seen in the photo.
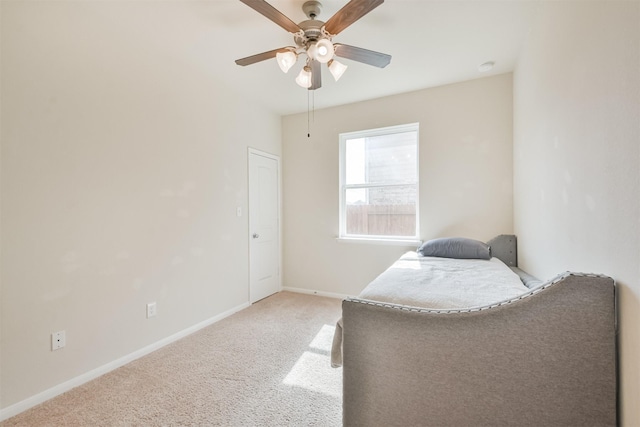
(374, 241)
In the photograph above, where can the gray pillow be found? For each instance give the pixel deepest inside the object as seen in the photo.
(455, 247)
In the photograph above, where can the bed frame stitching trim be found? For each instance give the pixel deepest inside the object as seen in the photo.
(547, 285)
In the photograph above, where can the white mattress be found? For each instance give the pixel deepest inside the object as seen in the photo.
(444, 283)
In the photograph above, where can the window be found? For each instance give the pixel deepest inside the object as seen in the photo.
(379, 183)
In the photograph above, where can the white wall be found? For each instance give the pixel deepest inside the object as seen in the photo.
(577, 158)
(465, 178)
(123, 162)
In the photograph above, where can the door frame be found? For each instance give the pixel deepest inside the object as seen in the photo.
(253, 151)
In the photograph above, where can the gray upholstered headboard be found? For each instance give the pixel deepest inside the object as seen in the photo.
(505, 248)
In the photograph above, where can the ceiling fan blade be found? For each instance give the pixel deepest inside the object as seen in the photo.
(272, 13)
(316, 75)
(259, 57)
(365, 56)
(349, 14)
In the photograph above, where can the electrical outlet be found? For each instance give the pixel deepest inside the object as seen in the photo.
(58, 340)
(152, 310)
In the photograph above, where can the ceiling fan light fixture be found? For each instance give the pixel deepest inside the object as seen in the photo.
(324, 51)
(314, 39)
(286, 60)
(336, 69)
(304, 78)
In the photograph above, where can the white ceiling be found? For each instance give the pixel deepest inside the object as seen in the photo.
(432, 43)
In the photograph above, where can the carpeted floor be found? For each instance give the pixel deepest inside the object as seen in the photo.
(267, 365)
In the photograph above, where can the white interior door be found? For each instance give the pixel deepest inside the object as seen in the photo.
(264, 225)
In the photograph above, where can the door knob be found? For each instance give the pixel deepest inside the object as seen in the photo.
(256, 235)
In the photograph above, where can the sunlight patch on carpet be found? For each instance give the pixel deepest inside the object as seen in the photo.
(313, 372)
(324, 339)
(313, 369)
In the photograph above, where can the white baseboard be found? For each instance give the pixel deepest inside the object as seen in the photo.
(318, 293)
(39, 398)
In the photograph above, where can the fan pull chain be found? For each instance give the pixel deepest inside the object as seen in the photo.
(308, 116)
(311, 110)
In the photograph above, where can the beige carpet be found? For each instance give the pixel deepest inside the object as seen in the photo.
(267, 365)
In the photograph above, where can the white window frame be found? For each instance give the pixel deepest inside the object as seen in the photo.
(343, 187)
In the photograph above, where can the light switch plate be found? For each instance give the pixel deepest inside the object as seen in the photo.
(152, 310)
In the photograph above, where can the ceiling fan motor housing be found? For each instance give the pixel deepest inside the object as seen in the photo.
(312, 27)
(312, 32)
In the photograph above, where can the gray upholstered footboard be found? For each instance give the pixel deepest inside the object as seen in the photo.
(547, 358)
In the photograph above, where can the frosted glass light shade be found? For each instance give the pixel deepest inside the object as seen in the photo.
(324, 51)
(312, 51)
(304, 78)
(286, 60)
(337, 69)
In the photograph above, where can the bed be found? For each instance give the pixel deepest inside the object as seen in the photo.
(427, 344)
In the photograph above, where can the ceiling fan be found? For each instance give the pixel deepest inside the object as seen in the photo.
(313, 38)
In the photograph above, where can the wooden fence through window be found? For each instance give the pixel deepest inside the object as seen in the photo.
(381, 220)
